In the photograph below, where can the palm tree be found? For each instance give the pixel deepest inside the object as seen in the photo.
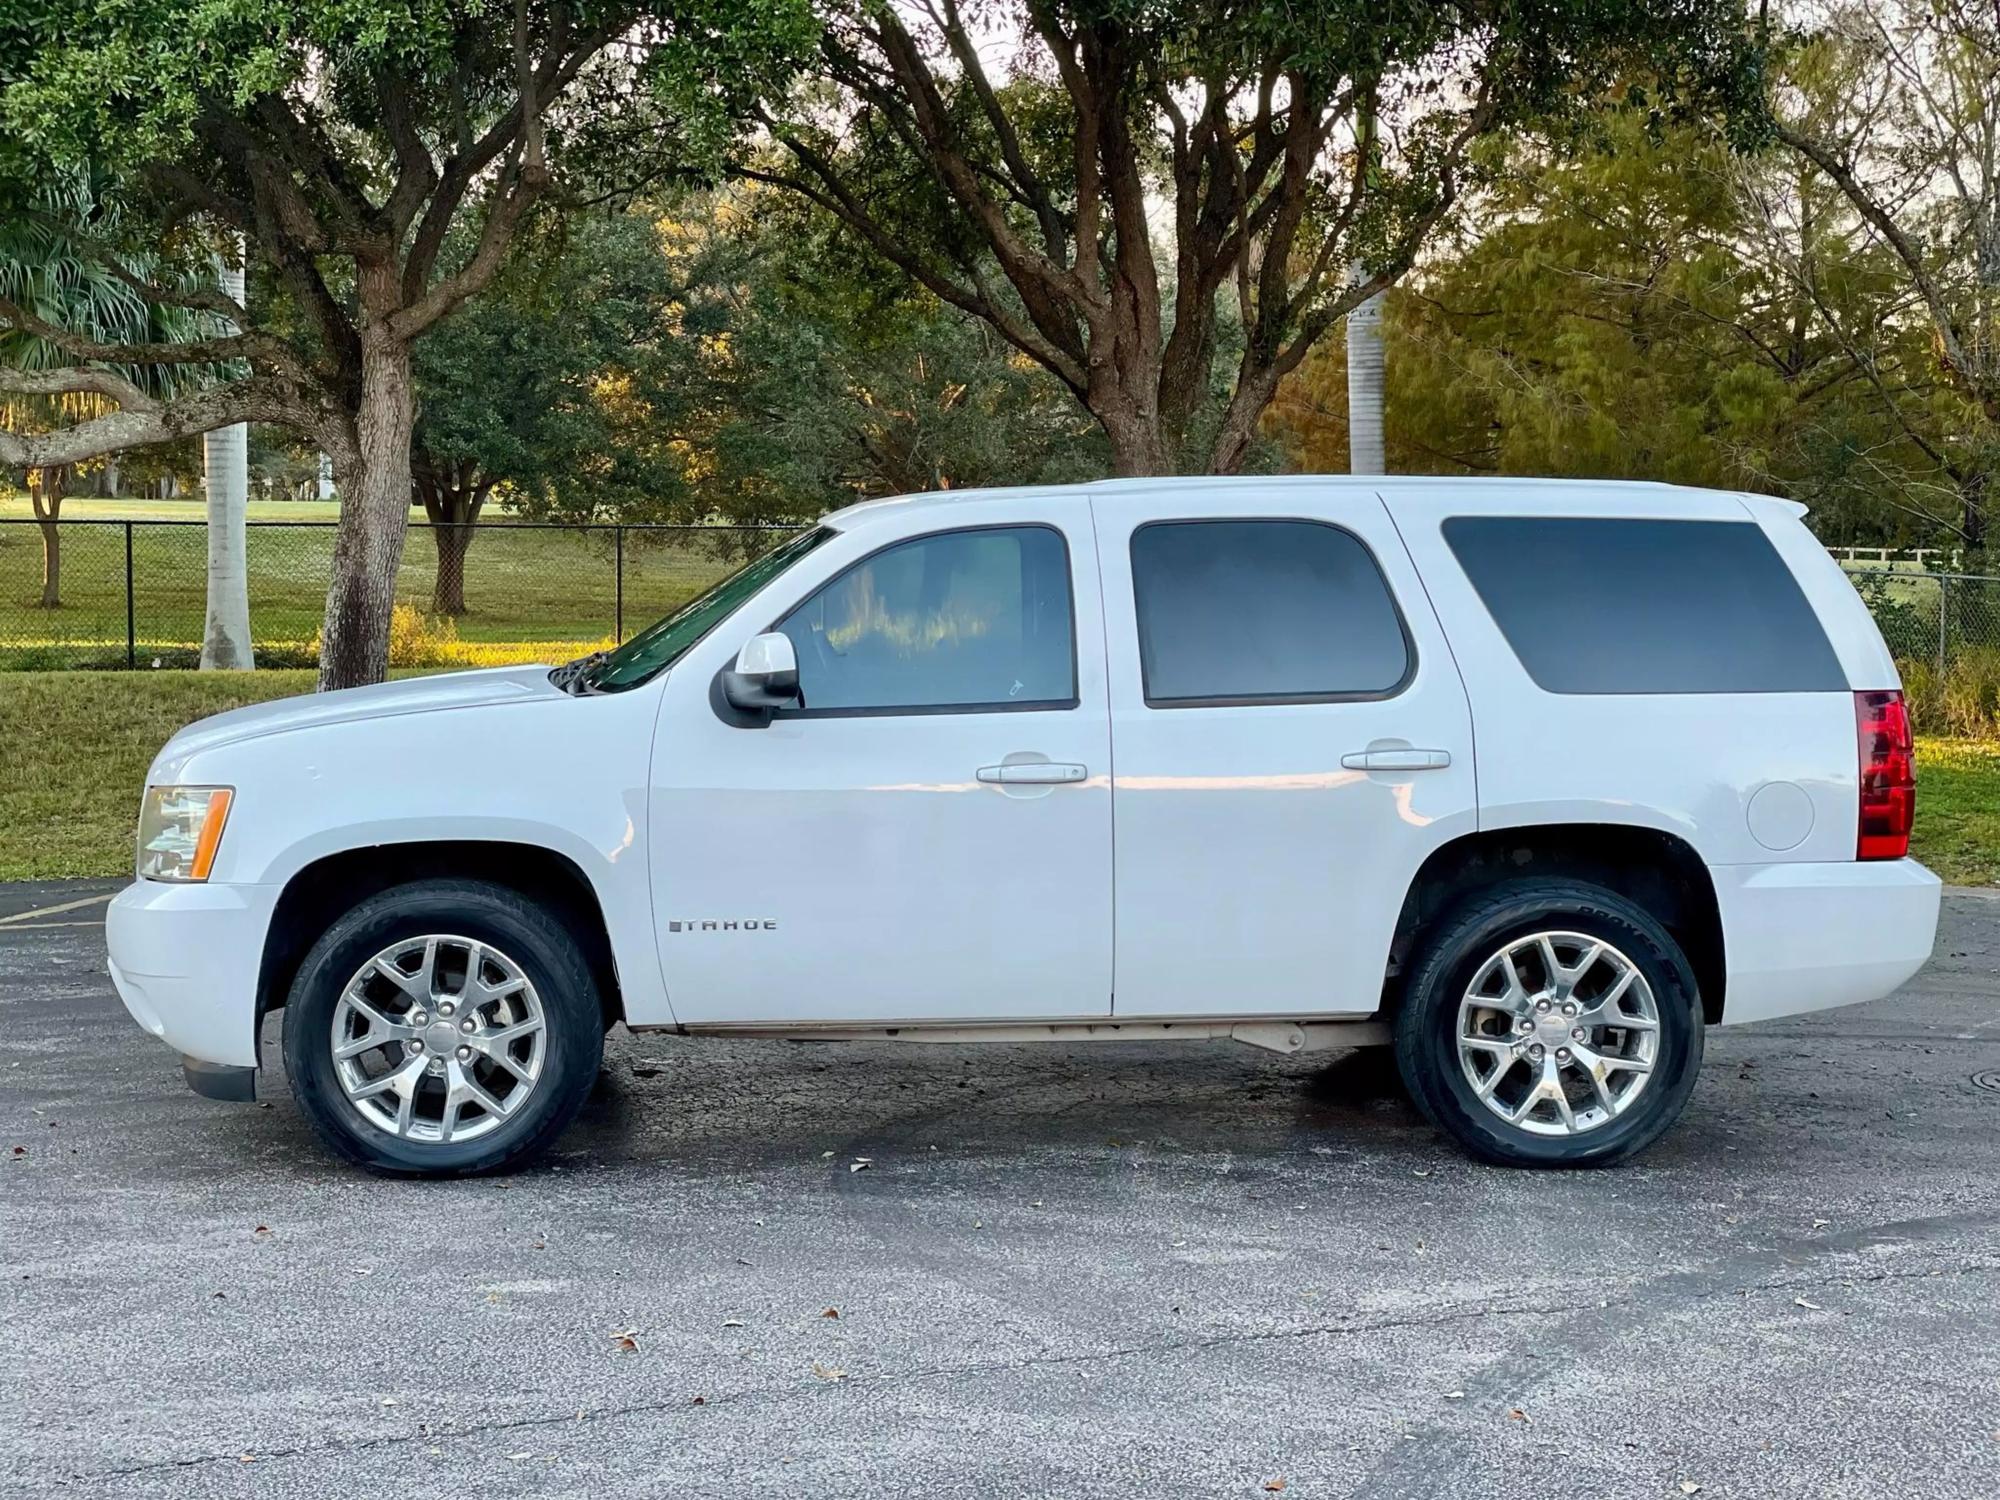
(1364, 387)
(225, 638)
(51, 278)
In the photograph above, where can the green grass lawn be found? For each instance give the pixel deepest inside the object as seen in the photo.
(522, 584)
(76, 746)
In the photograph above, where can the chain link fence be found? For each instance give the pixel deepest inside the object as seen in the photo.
(1941, 620)
(103, 593)
(97, 594)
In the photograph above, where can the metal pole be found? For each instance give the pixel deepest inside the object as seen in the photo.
(131, 633)
(618, 544)
(1944, 615)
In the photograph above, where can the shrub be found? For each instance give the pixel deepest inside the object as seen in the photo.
(1962, 701)
(420, 640)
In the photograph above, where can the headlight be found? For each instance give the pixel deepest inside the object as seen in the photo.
(179, 829)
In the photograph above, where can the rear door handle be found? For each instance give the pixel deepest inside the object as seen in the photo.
(1396, 760)
(1034, 773)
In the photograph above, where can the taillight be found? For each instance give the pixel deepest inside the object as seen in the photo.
(1888, 776)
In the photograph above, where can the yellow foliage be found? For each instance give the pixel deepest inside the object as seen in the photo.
(420, 640)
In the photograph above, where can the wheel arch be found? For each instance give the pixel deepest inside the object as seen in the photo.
(319, 891)
(1656, 870)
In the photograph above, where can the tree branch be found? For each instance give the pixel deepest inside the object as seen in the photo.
(141, 420)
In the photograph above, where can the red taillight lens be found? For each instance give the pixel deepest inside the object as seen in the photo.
(1888, 776)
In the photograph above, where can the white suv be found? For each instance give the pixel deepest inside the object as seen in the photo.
(1534, 780)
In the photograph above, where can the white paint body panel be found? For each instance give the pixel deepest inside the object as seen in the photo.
(1212, 862)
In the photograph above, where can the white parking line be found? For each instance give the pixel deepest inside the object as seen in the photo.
(49, 911)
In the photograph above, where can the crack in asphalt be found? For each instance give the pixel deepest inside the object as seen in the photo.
(1346, 1328)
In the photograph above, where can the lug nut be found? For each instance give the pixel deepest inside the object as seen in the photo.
(446, 1008)
(415, 1045)
(1520, 1049)
(1570, 1008)
(464, 1054)
(1524, 1025)
(467, 1025)
(1542, 1006)
(1576, 1034)
(1562, 1054)
(1536, 1052)
(418, 1018)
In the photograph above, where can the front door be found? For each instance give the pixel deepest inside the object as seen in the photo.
(929, 837)
(1292, 740)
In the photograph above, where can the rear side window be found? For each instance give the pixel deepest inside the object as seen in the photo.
(1595, 605)
(1262, 611)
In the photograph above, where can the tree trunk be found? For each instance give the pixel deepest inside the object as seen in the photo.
(1138, 446)
(1972, 502)
(448, 597)
(374, 477)
(1364, 388)
(45, 495)
(225, 641)
(452, 495)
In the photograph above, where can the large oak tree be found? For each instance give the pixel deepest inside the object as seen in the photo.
(380, 163)
(1107, 182)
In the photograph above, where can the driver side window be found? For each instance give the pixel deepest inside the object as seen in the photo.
(975, 620)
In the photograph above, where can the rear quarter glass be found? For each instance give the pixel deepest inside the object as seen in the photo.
(1599, 605)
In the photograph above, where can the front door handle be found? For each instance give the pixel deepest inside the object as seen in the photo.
(1033, 773)
(1396, 760)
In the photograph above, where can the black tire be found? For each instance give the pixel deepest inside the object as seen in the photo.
(546, 952)
(1449, 958)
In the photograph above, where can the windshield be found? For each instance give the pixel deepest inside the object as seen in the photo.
(664, 642)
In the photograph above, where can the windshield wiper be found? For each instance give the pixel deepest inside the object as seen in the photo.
(573, 677)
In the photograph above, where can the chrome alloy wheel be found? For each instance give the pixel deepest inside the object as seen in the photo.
(1558, 1033)
(438, 1039)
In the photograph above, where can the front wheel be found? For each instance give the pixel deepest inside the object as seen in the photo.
(1551, 1023)
(443, 1028)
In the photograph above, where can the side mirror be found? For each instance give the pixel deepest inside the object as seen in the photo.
(766, 675)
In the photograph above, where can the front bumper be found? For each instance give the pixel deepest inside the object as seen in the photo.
(1803, 937)
(185, 960)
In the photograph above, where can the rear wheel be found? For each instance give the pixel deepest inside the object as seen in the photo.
(1551, 1023)
(443, 1028)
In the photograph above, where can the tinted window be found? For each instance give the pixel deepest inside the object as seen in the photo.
(1610, 606)
(1262, 610)
(961, 619)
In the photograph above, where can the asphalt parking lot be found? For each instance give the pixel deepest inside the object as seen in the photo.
(1113, 1270)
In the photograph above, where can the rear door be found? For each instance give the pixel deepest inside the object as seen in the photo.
(1290, 740)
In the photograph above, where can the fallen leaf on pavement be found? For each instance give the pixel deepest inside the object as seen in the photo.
(1801, 1302)
(1274, 1485)
(1689, 1487)
(1515, 1414)
(831, 1312)
(627, 1341)
(828, 1372)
